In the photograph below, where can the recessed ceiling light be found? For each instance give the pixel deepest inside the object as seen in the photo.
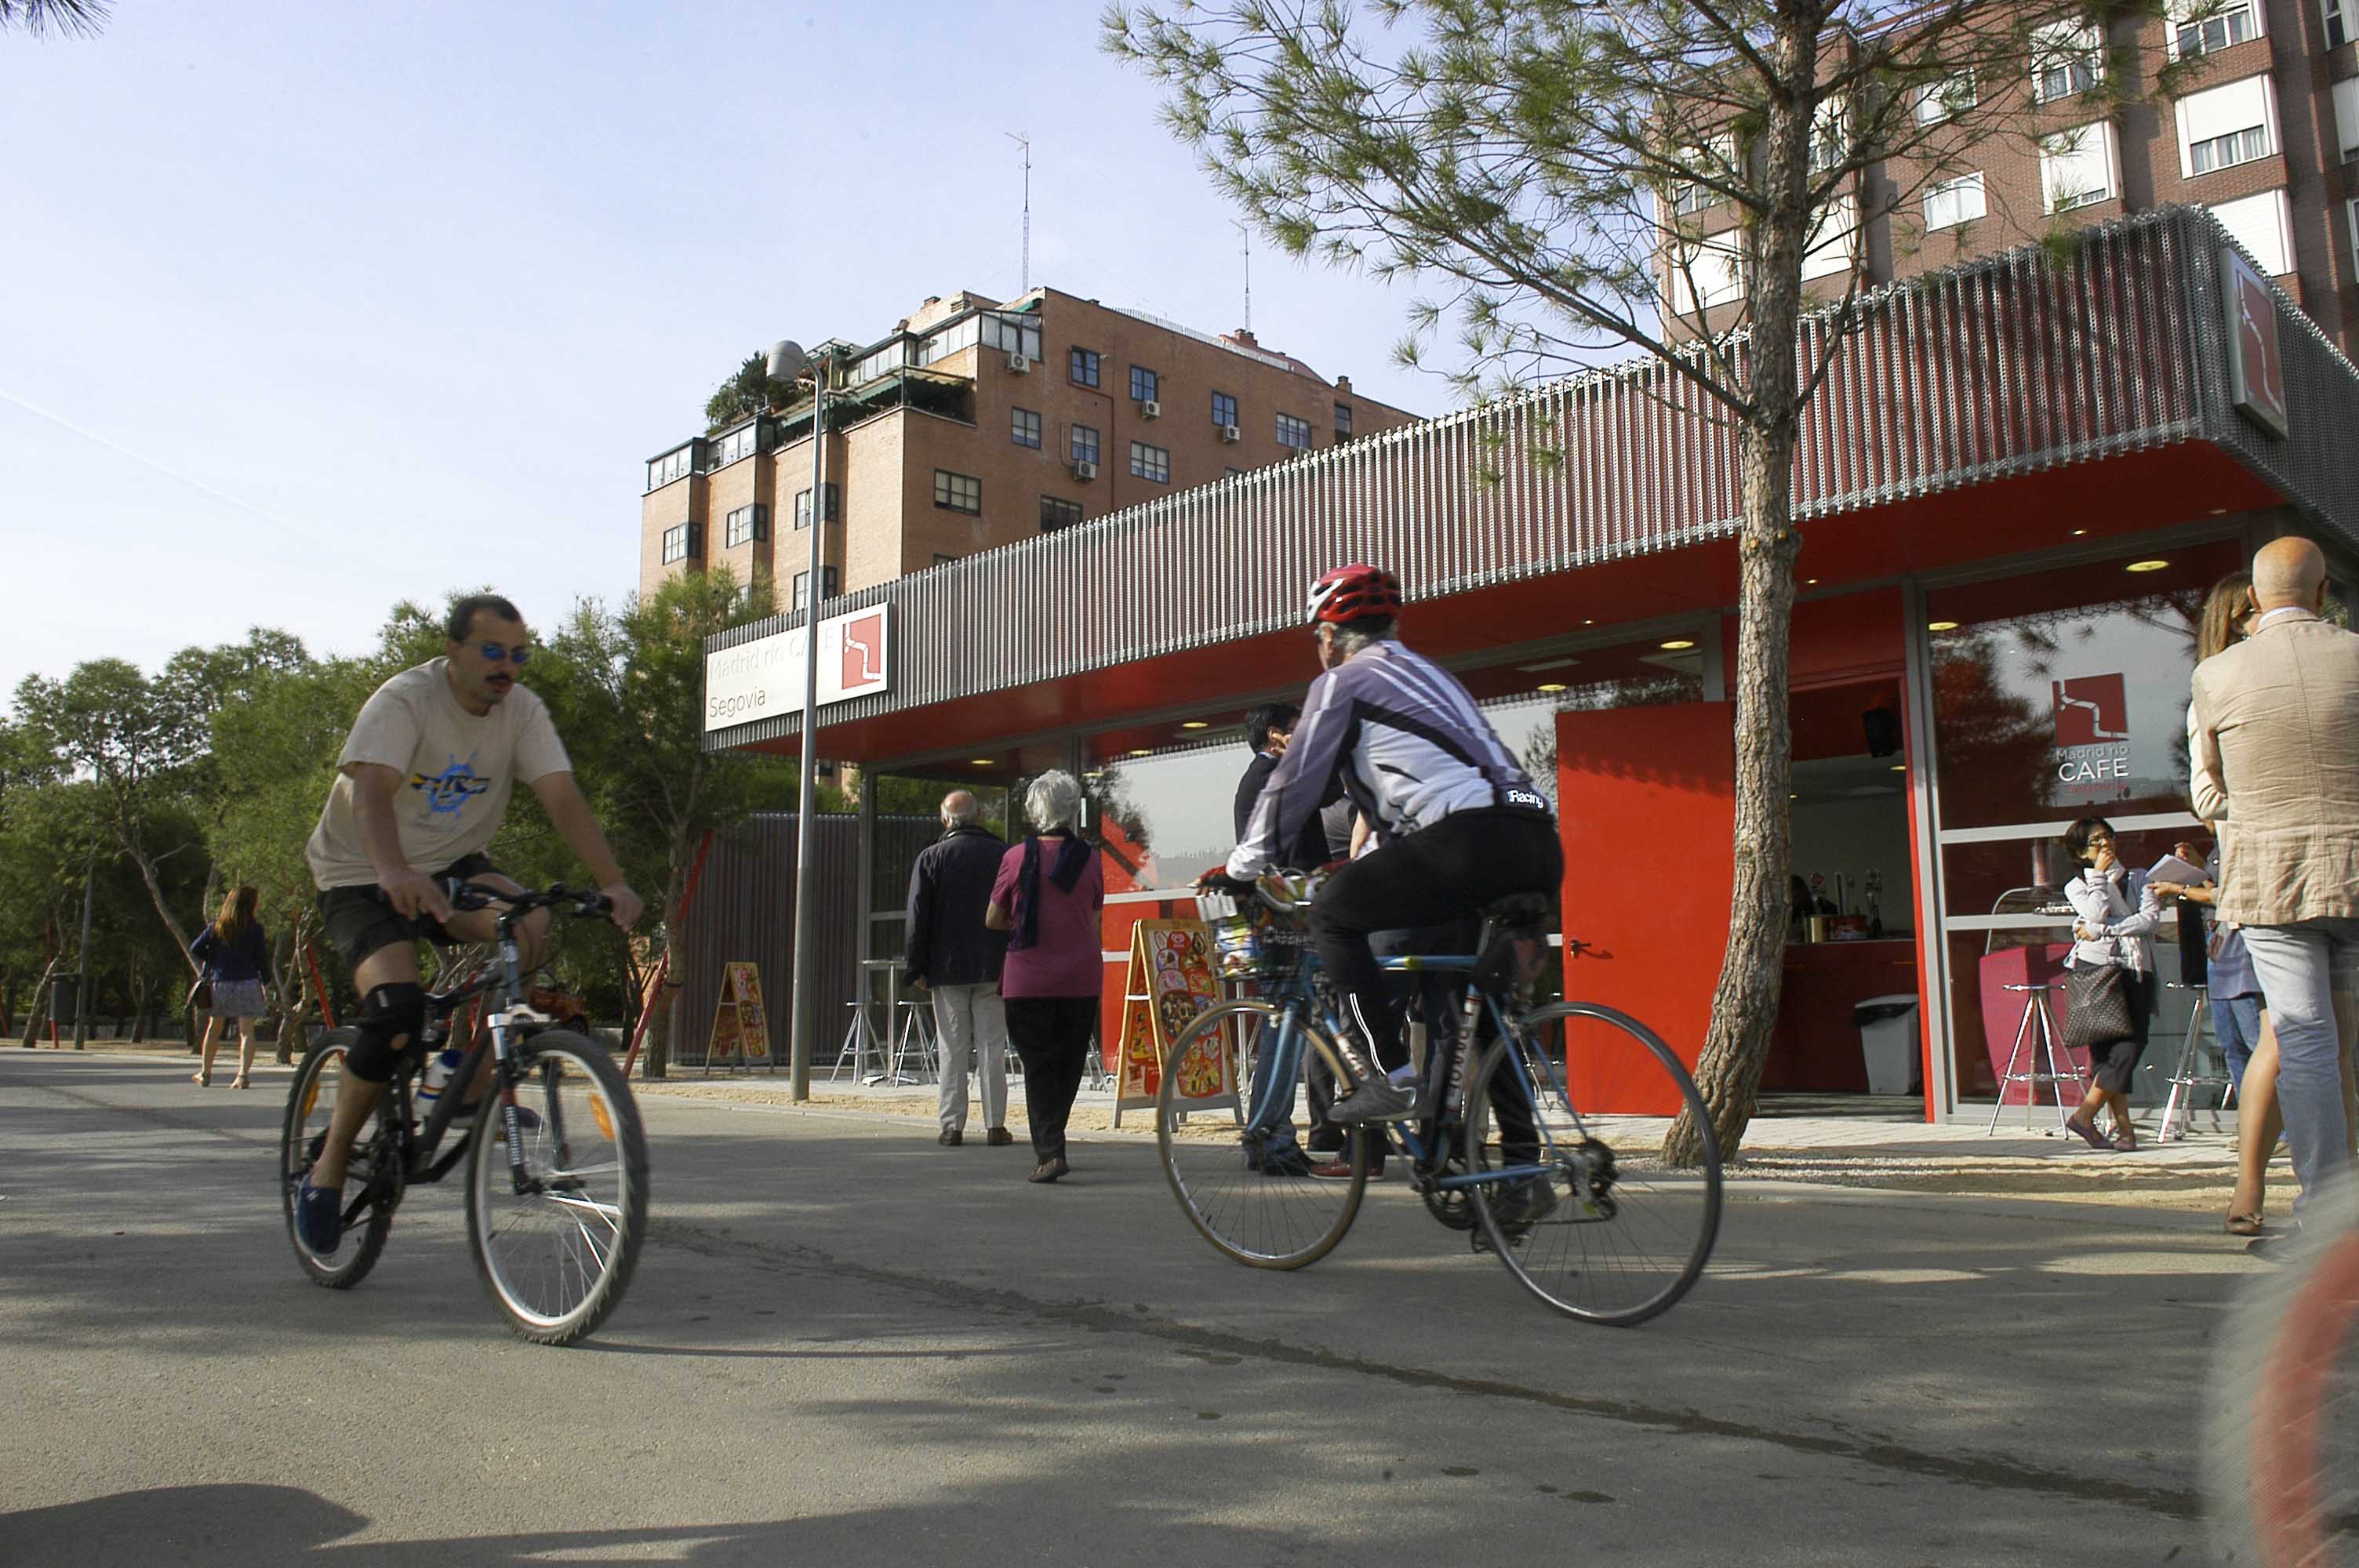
(1548, 665)
(1588, 623)
(1941, 626)
(1899, 767)
(1141, 751)
(2146, 566)
(2219, 511)
(1195, 724)
(1677, 643)
(981, 762)
(2078, 532)
(1810, 582)
(1551, 686)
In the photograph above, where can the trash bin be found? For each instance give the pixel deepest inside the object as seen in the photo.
(1887, 1040)
(65, 995)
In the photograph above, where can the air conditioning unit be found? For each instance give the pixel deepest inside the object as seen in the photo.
(1150, 409)
(1230, 433)
(1019, 364)
(1085, 471)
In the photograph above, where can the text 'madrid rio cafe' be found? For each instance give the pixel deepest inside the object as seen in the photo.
(2015, 487)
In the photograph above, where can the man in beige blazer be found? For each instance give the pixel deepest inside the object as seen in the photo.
(2274, 732)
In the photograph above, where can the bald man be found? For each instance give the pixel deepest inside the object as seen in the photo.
(958, 960)
(2275, 733)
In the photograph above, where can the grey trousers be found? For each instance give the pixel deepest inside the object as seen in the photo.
(972, 1022)
(2301, 967)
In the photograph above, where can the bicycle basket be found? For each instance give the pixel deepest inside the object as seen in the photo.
(1248, 943)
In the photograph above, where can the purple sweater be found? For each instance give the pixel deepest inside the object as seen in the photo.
(1065, 961)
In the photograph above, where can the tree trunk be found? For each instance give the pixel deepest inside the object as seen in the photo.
(667, 1001)
(130, 842)
(39, 1007)
(8, 995)
(1745, 1002)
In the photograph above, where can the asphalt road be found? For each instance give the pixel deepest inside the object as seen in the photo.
(847, 1344)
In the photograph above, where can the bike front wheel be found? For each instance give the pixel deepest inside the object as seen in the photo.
(373, 1179)
(1601, 1229)
(2281, 1452)
(556, 1241)
(1251, 1195)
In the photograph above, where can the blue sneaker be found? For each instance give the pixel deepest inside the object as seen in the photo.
(319, 1218)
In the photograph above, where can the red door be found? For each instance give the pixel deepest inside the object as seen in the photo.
(1647, 805)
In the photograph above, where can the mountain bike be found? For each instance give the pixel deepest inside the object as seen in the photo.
(556, 1160)
(2281, 1444)
(1579, 1207)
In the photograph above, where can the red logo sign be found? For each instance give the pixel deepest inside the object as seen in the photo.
(864, 653)
(2256, 369)
(2091, 710)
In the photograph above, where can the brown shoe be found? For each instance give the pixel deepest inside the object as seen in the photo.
(997, 1137)
(951, 1138)
(1048, 1170)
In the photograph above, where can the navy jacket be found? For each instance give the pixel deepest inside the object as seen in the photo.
(949, 888)
(247, 958)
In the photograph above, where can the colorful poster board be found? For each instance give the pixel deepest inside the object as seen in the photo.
(1168, 982)
(741, 1028)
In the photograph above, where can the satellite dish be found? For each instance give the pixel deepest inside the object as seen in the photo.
(787, 361)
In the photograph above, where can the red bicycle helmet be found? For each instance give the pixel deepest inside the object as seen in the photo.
(1353, 593)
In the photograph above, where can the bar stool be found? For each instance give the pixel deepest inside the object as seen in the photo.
(914, 1041)
(2034, 1040)
(860, 1042)
(2185, 1079)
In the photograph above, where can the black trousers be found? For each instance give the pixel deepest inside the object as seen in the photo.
(1051, 1037)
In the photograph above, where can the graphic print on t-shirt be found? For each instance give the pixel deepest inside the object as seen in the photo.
(450, 790)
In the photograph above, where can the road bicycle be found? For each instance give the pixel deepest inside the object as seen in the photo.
(2281, 1444)
(556, 1159)
(1580, 1208)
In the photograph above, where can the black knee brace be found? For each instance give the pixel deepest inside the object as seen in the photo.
(391, 1017)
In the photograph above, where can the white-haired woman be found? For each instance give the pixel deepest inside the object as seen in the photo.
(1047, 897)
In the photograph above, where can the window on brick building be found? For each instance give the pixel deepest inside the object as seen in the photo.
(2233, 22)
(2067, 58)
(1293, 432)
(1703, 273)
(1081, 444)
(1058, 513)
(672, 466)
(683, 541)
(2223, 126)
(828, 587)
(1948, 98)
(1144, 385)
(1834, 242)
(1342, 421)
(746, 525)
(1955, 202)
(1082, 366)
(1830, 135)
(834, 506)
(1150, 462)
(1715, 157)
(2346, 116)
(2337, 25)
(2077, 168)
(1225, 409)
(1023, 428)
(2263, 225)
(958, 493)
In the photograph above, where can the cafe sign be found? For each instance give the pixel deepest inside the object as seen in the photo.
(2256, 367)
(2092, 738)
(764, 678)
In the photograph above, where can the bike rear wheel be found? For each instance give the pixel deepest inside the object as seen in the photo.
(373, 1178)
(2281, 1454)
(559, 1255)
(1605, 1232)
(1252, 1196)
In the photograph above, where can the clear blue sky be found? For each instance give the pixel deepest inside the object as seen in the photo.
(323, 306)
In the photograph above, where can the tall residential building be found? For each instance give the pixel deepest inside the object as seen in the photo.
(976, 423)
(2260, 136)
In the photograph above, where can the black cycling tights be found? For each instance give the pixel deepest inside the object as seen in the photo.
(1446, 872)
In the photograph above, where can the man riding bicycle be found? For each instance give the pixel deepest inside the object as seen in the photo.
(423, 783)
(1459, 824)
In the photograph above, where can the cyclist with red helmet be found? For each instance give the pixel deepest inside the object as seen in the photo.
(1459, 823)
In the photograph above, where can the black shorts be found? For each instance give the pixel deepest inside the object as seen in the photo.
(361, 919)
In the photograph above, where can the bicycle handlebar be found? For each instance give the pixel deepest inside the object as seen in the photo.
(588, 904)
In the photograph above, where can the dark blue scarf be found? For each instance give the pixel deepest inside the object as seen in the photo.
(1073, 855)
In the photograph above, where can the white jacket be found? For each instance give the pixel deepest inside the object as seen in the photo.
(2124, 909)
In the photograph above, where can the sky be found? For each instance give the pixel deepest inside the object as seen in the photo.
(313, 308)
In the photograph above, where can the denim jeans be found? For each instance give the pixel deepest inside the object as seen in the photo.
(2301, 966)
(2236, 1024)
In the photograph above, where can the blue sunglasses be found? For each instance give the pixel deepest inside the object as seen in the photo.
(495, 652)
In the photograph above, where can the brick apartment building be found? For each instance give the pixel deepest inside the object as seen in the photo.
(976, 423)
(2260, 137)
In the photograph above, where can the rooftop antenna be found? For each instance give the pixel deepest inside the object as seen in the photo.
(1025, 142)
(1246, 234)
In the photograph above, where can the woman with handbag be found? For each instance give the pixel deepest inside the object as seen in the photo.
(236, 957)
(1048, 894)
(2109, 987)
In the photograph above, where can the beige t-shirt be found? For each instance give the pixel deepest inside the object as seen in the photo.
(459, 771)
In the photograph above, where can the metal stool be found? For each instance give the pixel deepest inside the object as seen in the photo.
(2030, 1046)
(915, 1041)
(860, 1043)
(2185, 1079)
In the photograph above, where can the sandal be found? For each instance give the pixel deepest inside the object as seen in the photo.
(239, 1082)
(201, 1079)
(2244, 1224)
(2125, 1141)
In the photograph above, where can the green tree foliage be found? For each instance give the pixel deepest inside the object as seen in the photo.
(1562, 175)
(749, 392)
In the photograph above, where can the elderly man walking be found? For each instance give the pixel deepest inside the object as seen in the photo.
(958, 960)
(2275, 728)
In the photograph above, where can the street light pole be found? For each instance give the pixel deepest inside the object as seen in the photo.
(788, 360)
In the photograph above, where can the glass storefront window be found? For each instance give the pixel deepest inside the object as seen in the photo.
(1165, 819)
